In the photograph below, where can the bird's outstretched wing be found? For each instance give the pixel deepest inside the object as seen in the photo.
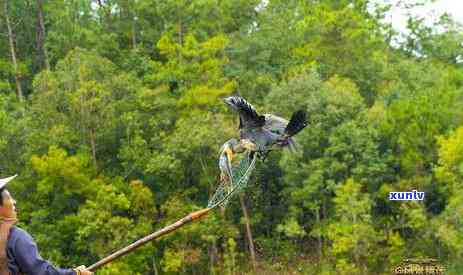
(275, 124)
(296, 123)
(249, 118)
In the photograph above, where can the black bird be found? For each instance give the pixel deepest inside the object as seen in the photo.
(267, 130)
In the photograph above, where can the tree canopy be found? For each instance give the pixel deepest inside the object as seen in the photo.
(111, 112)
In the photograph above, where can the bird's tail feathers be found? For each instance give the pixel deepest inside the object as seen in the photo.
(296, 123)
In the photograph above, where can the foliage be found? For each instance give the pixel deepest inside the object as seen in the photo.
(120, 137)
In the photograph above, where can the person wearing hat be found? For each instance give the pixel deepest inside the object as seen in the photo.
(18, 251)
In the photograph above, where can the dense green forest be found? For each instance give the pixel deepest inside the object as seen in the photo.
(111, 113)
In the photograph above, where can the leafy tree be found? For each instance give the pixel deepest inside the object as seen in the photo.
(352, 231)
(83, 94)
(450, 172)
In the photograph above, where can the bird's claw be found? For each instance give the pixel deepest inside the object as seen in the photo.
(248, 145)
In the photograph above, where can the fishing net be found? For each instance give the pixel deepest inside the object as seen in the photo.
(240, 179)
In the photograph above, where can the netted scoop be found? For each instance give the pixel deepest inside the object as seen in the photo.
(240, 178)
(239, 181)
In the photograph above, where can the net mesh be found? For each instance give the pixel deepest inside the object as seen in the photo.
(240, 179)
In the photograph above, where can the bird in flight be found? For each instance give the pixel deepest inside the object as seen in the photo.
(267, 130)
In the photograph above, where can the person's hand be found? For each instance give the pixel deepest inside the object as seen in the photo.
(82, 270)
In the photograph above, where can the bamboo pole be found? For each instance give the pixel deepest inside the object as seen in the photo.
(187, 219)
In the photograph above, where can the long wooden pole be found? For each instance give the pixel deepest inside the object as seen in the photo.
(187, 219)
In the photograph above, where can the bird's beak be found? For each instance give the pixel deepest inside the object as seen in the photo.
(229, 153)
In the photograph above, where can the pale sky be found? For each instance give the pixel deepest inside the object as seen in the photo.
(398, 14)
(431, 11)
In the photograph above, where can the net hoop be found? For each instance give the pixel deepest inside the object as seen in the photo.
(240, 178)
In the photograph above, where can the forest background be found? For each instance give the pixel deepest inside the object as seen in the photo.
(111, 111)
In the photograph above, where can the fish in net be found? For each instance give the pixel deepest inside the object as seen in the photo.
(238, 182)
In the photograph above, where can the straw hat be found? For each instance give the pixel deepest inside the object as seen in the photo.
(4, 181)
